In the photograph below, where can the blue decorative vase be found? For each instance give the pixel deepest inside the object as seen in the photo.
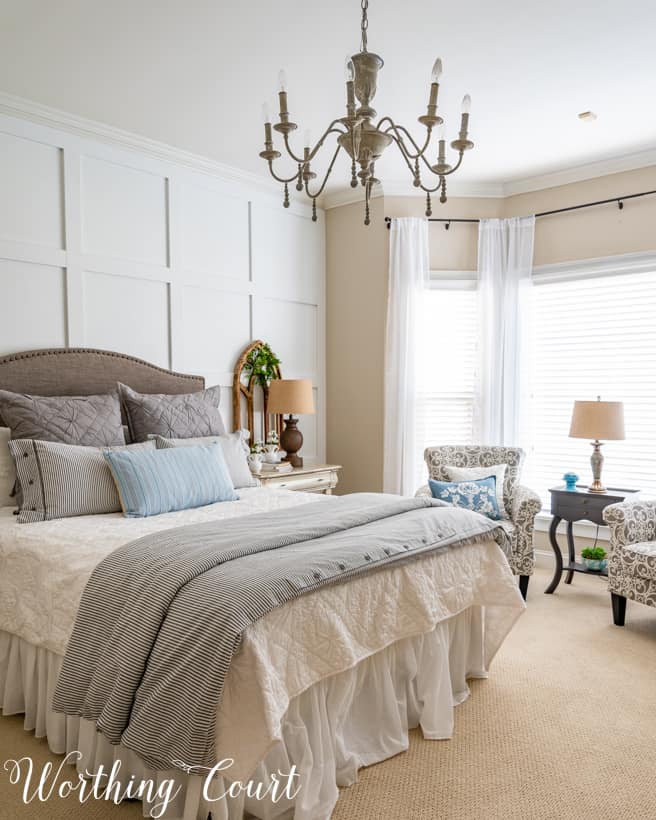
(570, 480)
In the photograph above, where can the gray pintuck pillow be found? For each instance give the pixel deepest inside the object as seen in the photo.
(186, 415)
(92, 421)
(65, 480)
(235, 452)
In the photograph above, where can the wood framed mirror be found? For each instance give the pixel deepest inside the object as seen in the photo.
(244, 397)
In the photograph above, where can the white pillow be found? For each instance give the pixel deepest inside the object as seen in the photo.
(469, 473)
(235, 451)
(7, 470)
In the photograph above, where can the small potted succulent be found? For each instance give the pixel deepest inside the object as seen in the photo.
(594, 558)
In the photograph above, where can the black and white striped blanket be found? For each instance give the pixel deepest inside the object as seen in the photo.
(161, 617)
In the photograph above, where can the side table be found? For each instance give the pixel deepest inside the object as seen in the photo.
(571, 506)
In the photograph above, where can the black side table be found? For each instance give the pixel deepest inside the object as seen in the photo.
(571, 506)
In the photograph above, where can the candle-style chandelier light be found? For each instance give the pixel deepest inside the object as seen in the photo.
(363, 140)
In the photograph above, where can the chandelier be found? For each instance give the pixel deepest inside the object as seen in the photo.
(365, 140)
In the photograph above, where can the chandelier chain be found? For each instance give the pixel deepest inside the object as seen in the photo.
(365, 25)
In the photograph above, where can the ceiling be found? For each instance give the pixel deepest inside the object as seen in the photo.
(194, 73)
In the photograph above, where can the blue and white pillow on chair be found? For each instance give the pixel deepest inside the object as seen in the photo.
(479, 495)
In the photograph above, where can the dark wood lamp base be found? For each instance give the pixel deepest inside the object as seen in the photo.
(291, 441)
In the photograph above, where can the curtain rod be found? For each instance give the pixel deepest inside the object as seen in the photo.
(617, 199)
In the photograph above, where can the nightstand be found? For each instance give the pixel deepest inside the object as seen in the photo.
(577, 505)
(312, 478)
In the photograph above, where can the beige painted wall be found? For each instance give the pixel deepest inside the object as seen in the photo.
(356, 303)
(356, 282)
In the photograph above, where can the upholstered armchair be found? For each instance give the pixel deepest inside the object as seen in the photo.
(632, 558)
(521, 504)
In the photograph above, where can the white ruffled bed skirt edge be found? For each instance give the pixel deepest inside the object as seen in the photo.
(352, 719)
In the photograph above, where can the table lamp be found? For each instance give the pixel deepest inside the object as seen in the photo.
(597, 420)
(291, 396)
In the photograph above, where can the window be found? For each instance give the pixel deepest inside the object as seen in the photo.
(590, 337)
(446, 366)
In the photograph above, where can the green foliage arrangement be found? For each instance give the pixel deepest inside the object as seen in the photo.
(593, 553)
(261, 364)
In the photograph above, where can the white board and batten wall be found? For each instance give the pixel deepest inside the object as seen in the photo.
(110, 247)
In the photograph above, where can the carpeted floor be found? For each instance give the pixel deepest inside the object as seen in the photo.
(564, 728)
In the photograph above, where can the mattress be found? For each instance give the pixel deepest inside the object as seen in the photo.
(44, 567)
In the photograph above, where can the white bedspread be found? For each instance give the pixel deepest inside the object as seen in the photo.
(44, 567)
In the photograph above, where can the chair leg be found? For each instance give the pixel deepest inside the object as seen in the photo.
(523, 585)
(619, 608)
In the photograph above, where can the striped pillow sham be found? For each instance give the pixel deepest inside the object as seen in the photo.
(161, 481)
(65, 480)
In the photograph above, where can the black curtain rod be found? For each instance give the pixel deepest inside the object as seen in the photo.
(617, 199)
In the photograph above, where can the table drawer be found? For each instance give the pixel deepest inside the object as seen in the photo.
(579, 508)
(316, 482)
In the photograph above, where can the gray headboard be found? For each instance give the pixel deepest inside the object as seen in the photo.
(79, 371)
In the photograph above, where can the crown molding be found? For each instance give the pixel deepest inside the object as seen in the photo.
(580, 173)
(499, 190)
(40, 114)
(457, 188)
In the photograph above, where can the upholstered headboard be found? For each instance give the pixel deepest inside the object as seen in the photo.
(78, 371)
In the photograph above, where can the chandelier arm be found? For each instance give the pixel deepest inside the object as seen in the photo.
(330, 130)
(280, 179)
(456, 166)
(431, 190)
(325, 179)
(399, 128)
(401, 146)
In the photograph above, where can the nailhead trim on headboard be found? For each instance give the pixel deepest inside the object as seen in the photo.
(83, 371)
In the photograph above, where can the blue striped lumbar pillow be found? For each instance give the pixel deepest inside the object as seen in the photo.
(159, 481)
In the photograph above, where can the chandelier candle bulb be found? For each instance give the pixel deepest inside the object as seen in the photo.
(436, 73)
(266, 114)
(282, 80)
(466, 104)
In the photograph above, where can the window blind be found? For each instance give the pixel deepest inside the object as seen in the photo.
(445, 369)
(592, 337)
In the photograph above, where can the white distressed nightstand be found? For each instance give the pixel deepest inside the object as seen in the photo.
(312, 478)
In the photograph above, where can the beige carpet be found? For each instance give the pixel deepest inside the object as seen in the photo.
(564, 728)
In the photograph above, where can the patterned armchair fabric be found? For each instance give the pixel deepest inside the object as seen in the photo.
(522, 504)
(632, 558)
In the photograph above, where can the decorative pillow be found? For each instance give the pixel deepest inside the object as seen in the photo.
(65, 480)
(92, 421)
(478, 496)
(186, 415)
(7, 470)
(473, 473)
(235, 451)
(179, 478)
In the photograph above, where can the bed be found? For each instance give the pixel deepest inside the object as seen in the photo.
(321, 686)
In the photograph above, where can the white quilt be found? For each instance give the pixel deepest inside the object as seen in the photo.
(44, 567)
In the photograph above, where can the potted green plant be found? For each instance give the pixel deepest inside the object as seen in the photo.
(594, 558)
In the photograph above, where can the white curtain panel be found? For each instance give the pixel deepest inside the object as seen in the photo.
(505, 262)
(409, 275)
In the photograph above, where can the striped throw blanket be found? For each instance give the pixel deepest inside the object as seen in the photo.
(161, 617)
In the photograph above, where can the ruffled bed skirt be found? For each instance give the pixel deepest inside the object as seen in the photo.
(352, 719)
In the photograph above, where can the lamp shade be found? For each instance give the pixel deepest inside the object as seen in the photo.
(291, 396)
(602, 420)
